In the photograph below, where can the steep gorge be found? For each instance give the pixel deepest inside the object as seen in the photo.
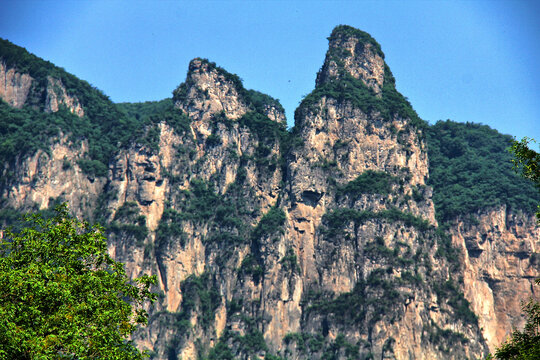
(319, 242)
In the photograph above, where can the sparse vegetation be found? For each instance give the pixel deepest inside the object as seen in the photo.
(448, 293)
(128, 223)
(335, 220)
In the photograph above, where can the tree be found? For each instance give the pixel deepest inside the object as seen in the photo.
(527, 161)
(525, 344)
(63, 297)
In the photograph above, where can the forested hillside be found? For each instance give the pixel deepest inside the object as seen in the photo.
(471, 170)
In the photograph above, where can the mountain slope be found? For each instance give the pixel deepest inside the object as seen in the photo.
(361, 233)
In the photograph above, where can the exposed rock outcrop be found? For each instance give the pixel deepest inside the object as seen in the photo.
(355, 54)
(47, 177)
(14, 86)
(19, 89)
(500, 256)
(313, 243)
(57, 96)
(208, 91)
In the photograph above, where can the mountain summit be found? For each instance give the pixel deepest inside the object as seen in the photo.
(361, 233)
(352, 52)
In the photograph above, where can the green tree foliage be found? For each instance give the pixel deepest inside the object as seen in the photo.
(470, 170)
(527, 161)
(26, 130)
(369, 182)
(62, 295)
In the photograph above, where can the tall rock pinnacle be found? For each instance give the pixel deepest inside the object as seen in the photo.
(355, 53)
(210, 89)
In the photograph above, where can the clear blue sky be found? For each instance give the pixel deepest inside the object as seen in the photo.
(474, 61)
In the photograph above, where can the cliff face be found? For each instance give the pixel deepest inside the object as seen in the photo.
(15, 86)
(46, 176)
(366, 250)
(315, 243)
(355, 54)
(500, 257)
(19, 89)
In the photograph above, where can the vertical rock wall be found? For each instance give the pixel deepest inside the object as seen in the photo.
(500, 256)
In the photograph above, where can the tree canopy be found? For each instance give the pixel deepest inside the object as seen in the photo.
(527, 161)
(470, 169)
(63, 297)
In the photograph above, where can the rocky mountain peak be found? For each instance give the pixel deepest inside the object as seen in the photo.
(352, 52)
(210, 89)
(317, 243)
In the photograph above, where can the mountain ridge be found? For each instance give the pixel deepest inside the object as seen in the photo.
(265, 239)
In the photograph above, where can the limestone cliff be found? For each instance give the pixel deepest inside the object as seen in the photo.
(19, 89)
(47, 176)
(319, 242)
(500, 255)
(356, 54)
(14, 87)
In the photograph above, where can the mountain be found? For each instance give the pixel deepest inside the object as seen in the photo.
(360, 233)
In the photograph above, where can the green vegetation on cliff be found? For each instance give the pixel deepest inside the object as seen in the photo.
(96, 104)
(525, 344)
(346, 88)
(105, 126)
(256, 100)
(128, 223)
(343, 32)
(369, 182)
(471, 170)
(354, 91)
(25, 131)
(334, 221)
(527, 162)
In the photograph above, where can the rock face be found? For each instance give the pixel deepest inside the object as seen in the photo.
(209, 92)
(44, 177)
(14, 86)
(500, 257)
(321, 242)
(58, 96)
(353, 54)
(19, 89)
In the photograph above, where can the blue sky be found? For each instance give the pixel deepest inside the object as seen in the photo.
(471, 61)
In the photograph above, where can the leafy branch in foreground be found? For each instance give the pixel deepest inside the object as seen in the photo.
(527, 161)
(63, 297)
